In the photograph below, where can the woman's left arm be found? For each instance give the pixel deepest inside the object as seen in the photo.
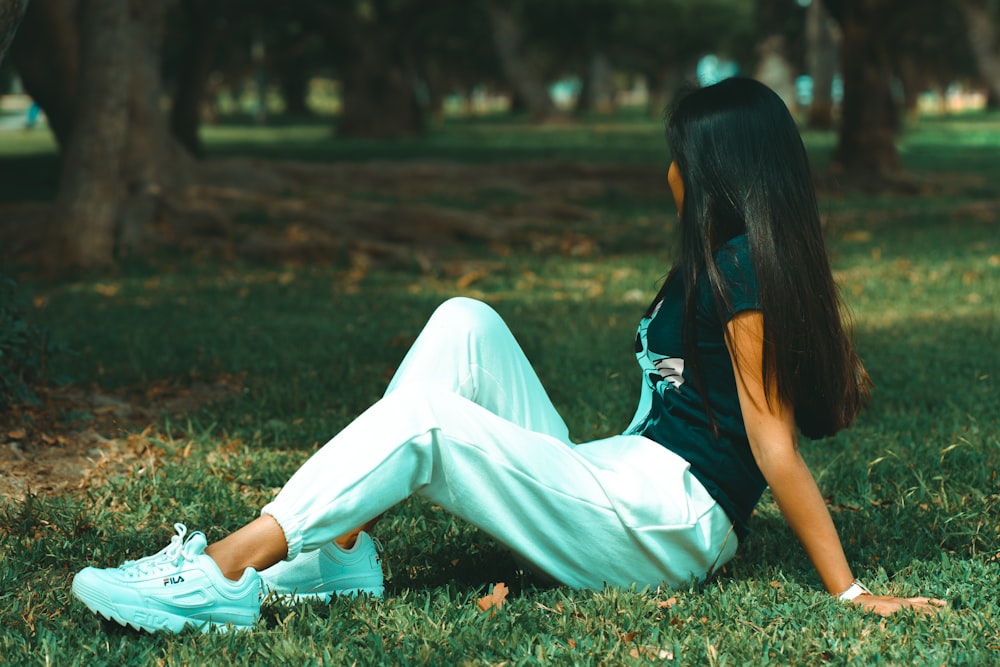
(770, 425)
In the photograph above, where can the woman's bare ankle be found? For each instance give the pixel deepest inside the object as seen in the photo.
(259, 544)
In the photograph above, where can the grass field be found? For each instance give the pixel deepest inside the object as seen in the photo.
(913, 486)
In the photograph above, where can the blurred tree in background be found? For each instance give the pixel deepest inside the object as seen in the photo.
(95, 69)
(890, 50)
(981, 18)
(126, 85)
(11, 12)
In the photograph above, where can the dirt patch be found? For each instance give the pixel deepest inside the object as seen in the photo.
(397, 213)
(393, 213)
(76, 436)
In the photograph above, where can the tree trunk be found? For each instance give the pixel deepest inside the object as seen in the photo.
(118, 157)
(913, 80)
(519, 71)
(774, 70)
(293, 65)
(821, 56)
(205, 27)
(773, 66)
(866, 152)
(983, 42)
(598, 91)
(153, 162)
(377, 74)
(435, 79)
(294, 83)
(47, 57)
(11, 13)
(668, 79)
(663, 84)
(378, 91)
(86, 209)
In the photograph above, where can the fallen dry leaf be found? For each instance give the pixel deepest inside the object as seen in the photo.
(651, 653)
(667, 604)
(495, 599)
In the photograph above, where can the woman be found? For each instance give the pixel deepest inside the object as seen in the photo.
(742, 347)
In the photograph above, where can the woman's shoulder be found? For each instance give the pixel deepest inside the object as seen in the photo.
(734, 256)
(737, 246)
(739, 278)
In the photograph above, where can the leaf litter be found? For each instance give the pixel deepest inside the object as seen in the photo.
(77, 437)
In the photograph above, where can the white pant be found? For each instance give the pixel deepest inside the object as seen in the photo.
(466, 423)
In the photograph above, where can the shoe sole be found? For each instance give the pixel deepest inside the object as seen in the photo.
(147, 620)
(155, 622)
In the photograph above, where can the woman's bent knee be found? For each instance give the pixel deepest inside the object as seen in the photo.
(462, 313)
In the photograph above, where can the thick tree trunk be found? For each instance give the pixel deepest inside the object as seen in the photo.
(520, 73)
(378, 90)
(981, 30)
(11, 13)
(376, 71)
(866, 150)
(47, 56)
(94, 67)
(86, 209)
(154, 162)
(205, 28)
(821, 56)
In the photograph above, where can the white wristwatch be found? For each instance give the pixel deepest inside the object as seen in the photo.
(854, 590)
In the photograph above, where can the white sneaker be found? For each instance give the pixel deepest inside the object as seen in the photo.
(170, 590)
(327, 572)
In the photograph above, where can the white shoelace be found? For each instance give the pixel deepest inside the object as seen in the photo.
(171, 555)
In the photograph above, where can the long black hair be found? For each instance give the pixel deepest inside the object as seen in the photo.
(745, 171)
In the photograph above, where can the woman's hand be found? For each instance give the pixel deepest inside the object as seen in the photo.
(886, 605)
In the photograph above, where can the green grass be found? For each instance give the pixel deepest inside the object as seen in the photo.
(913, 485)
